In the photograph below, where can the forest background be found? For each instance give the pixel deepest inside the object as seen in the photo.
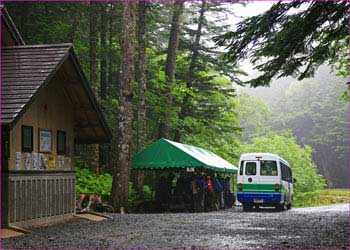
(187, 89)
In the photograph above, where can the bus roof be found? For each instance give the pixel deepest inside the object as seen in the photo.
(249, 156)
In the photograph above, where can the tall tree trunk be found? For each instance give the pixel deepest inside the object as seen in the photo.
(103, 75)
(103, 35)
(122, 168)
(141, 79)
(111, 148)
(110, 43)
(74, 27)
(94, 163)
(170, 67)
(93, 47)
(185, 106)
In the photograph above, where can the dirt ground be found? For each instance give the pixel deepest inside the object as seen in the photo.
(306, 228)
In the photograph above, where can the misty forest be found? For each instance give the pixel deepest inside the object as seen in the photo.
(202, 73)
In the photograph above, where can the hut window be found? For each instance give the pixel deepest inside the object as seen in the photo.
(61, 142)
(27, 138)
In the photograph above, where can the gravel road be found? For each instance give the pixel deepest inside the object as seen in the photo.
(306, 228)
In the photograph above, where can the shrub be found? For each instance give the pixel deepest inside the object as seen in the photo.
(88, 182)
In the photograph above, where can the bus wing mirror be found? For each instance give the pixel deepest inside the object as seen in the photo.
(294, 180)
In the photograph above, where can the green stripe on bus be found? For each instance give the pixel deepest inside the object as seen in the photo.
(260, 188)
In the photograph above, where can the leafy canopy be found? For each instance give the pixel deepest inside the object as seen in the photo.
(289, 40)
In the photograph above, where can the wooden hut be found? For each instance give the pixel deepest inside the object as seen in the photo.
(47, 106)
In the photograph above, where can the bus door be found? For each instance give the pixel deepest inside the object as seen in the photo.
(269, 173)
(250, 175)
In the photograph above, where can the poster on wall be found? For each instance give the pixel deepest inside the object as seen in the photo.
(67, 163)
(18, 160)
(42, 162)
(45, 141)
(35, 164)
(60, 161)
(27, 161)
(52, 162)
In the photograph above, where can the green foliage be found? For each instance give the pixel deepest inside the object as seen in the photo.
(89, 183)
(285, 145)
(321, 198)
(289, 41)
(317, 119)
(134, 198)
(254, 116)
(212, 123)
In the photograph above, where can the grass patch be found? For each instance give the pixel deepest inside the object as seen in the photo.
(321, 198)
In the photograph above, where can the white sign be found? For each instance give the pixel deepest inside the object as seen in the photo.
(42, 162)
(60, 161)
(67, 163)
(27, 161)
(35, 163)
(18, 160)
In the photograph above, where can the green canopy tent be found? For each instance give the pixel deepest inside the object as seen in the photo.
(165, 155)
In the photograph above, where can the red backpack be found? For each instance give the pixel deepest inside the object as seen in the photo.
(209, 186)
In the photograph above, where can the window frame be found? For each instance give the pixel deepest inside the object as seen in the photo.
(64, 151)
(256, 166)
(241, 168)
(23, 129)
(286, 173)
(261, 165)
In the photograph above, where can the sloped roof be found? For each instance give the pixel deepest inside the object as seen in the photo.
(166, 154)
(27, 69)
(24, 70)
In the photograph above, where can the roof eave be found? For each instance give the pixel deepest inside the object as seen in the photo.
(91, 96)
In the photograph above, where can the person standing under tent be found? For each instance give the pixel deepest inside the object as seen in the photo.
(201, 191)
(229, 196)
(209, 195)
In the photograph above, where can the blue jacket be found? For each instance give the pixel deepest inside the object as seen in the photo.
(217, 186)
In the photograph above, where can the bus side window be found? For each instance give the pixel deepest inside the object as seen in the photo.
(290, 179)
(241, 168)
(283, 172)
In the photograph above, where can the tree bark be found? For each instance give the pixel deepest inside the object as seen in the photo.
(121, 174)
(93, 47)
(103, 75)
(185, 106)
(141, 80)
(103, 36)
(73, 29)
(170, 67)
(110, 43)
(94, 164)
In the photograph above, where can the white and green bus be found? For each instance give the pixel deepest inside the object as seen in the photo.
(264, 179)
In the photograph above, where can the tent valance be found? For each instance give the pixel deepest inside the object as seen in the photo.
(166, 154)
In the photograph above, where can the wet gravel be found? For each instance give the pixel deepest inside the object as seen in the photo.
(303, 228)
